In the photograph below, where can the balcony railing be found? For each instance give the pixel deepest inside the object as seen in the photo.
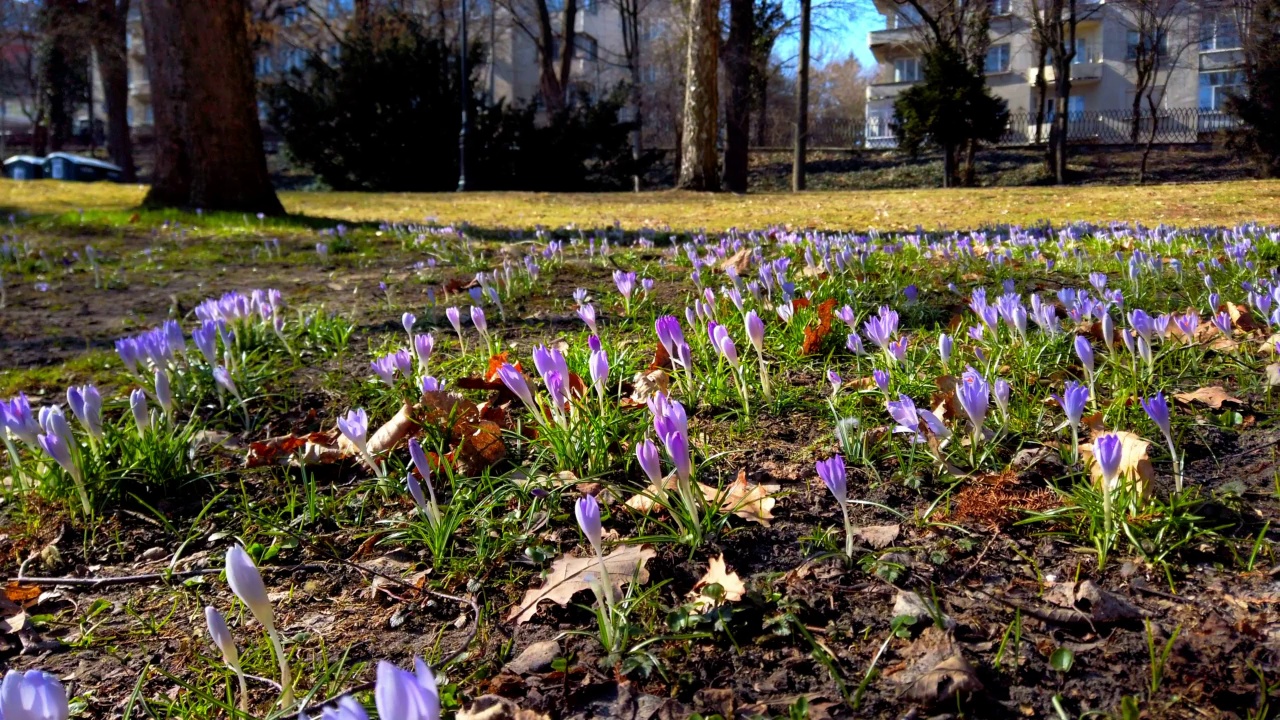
(1081, 72)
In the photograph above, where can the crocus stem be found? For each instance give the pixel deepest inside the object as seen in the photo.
(608, 585)
(1177, 465)
(764, 380)
(13, 459)
(1075, 444)
(1107, 520)
(244, 688)
(286, 676)
(848, 531)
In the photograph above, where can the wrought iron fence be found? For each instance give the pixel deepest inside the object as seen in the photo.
(1100, 127)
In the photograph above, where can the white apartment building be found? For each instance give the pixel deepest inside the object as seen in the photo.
(1202, 60)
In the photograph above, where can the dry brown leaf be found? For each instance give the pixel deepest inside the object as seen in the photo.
(1213, 397)
(570, 575)
(1096, 604)
(19, 594)
(750, 502)
(1135, 466)
(814, 336)
(939, 673)
(879, 536)
(1273, 374)
(718, 574)
(739, 261)
(747, 501)
(649, 383)
(494, 707)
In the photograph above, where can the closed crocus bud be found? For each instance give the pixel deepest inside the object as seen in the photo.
(587, 510)
(647, 454)
(141, 416)
(1108, 330)
(599, 369)
(1107, 451)
(415, 491)
(164, 395)
(223, 377)
(593, 342)
(423, 346)
(455, 319)
(419, 458)
(1002, 391)
(33, 695)
(514, 380)
(246, 583)
(945, 346)
(222, 636)
(477, 319)
(755, 331)
(408, 320)
(1085, 351)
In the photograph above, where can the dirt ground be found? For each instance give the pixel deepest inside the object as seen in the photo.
(809, 631)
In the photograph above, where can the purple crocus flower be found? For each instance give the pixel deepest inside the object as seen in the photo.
(669, 333)
(847, 316)
(33, 695)
(1222, 321)
(677, 444)
(1001, 390)
(430, 384)
(1142, 323)
(599, 367)
(882, 328)
(836, 381)
(385, 368)
(1158, 410)
(1085, 352)
(724, 345)
(60, 450)
(206, 339)
(647, 455)
(86, 404)
(1072, 401)
(404, 695)
(881, 378)
(477, 319)
(755, 330)
(588, 315)
(587, 511)
(903, 412)
(454, 316)
(974, 395)
(898, 349)
(403, 362)
(854, 344)
(625, 282)
(1187, 324)
(514, 380)
(223, 379)
(19, 419)
(835, 477)
(141, 415)
(423, 346)
(408, 320)
(354, 426)
(1108, 450)
(945, 347)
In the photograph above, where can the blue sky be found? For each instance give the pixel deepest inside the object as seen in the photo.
(843, 37)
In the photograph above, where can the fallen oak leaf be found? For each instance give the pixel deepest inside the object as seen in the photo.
(569, 575)
(1213, 396)
(750, 502)
(940, 672)
(879, 536)
(731, 586)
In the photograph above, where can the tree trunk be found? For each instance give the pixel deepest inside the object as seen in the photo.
(802, 102)
(737, 60)
(553, 74)
(208, 141)
(1042, 92)
(948, 166)
(1151, 140)
(113, 64)
(970, 161)
(698, 164)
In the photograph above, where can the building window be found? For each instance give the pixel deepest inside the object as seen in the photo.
(591, 6)
(262, 65)
(1215, 87)
(998, 59)
(150, 116)
(335, 54)
(339, 8)
(1075, 108)
(1219, 31)
(906, 70)
(1136, 41)
(1001, 7)
(128, 114)
(1085, 53)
